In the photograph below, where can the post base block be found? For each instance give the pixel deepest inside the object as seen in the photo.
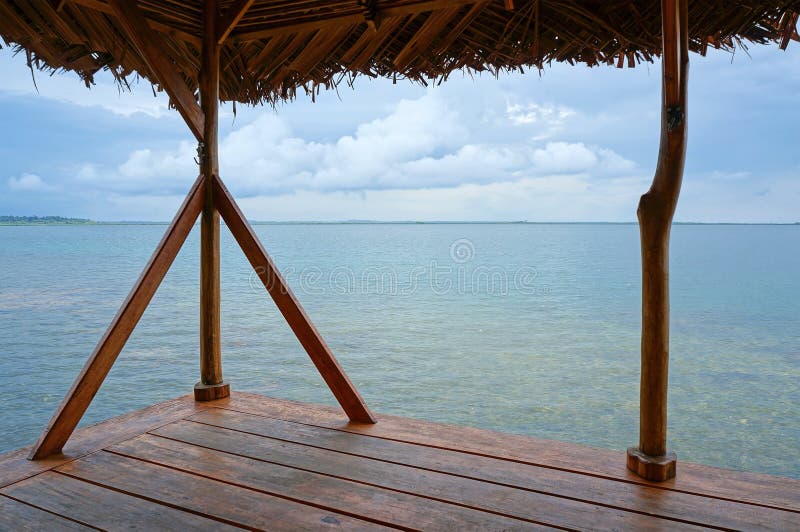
(655, 468)
(209, 392)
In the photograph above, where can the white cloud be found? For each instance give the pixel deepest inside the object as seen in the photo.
(420, 143)
(519, 147)
(15, 79)
(28, 182)
(532, 198)
(551, 117)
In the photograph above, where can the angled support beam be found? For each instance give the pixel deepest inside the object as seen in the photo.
(87, 384)
(287, 303)
(651, 459)
(151, 48)
(231, 18)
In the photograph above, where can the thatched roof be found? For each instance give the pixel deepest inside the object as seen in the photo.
(280, 46)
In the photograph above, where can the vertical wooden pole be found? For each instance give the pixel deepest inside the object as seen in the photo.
(211, 385)
(651, 459)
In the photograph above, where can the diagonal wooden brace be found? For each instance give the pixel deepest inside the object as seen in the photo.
(311, 340)
(87, 384)
(231, 18)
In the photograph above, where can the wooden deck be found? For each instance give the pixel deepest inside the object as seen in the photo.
(259, 463)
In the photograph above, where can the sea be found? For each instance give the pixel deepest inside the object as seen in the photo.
(523, 328)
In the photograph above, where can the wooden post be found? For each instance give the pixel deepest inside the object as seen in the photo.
(651, 459)
(211, 385)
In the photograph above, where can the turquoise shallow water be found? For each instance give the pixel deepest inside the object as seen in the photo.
(532, 329)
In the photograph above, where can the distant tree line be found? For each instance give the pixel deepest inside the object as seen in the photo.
(41, 220)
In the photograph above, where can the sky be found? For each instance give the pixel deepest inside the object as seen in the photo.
(568, 144)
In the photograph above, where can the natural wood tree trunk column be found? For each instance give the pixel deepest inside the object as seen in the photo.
(651, 459)
(211, 385)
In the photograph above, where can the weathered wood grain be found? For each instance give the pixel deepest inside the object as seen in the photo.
(305, 331)
(21, 517)
(255, 462)
(211, 382)
(104, 508)
(741, 486)
(670, 504)
(15, 466)
(235, 505)
(533, 506)
(404, 510)
(110, 345)
(651, 460)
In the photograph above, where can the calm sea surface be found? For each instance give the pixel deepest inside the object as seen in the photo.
(532, 329)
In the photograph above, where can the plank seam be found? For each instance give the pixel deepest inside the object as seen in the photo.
(84, 453)
(157, 502)
(361, 482)
(317, 505)
(521, 461)
(49, 511)
(284, 497)
(477, 479)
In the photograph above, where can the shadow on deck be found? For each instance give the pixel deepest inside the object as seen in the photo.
(260, 463)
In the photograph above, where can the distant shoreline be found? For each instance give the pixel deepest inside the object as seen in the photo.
(55, 221)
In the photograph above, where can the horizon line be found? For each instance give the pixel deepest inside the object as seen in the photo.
(79, 221)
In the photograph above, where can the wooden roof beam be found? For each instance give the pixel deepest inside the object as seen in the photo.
(347, 20)
(151, 48)
(231, 18)
(790, 31)
(106, 8)
(369, 9)
(425, 36)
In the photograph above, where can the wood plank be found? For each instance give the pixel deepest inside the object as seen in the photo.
(305, 331)
(258, 463)
(231, 18)
(490, 497)
(742, 486)
(15, 466)
(151, 48)
(104, 508)
(110, 345)
(616, 494)
(233, 504)
(392, 508)
(22, 517)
